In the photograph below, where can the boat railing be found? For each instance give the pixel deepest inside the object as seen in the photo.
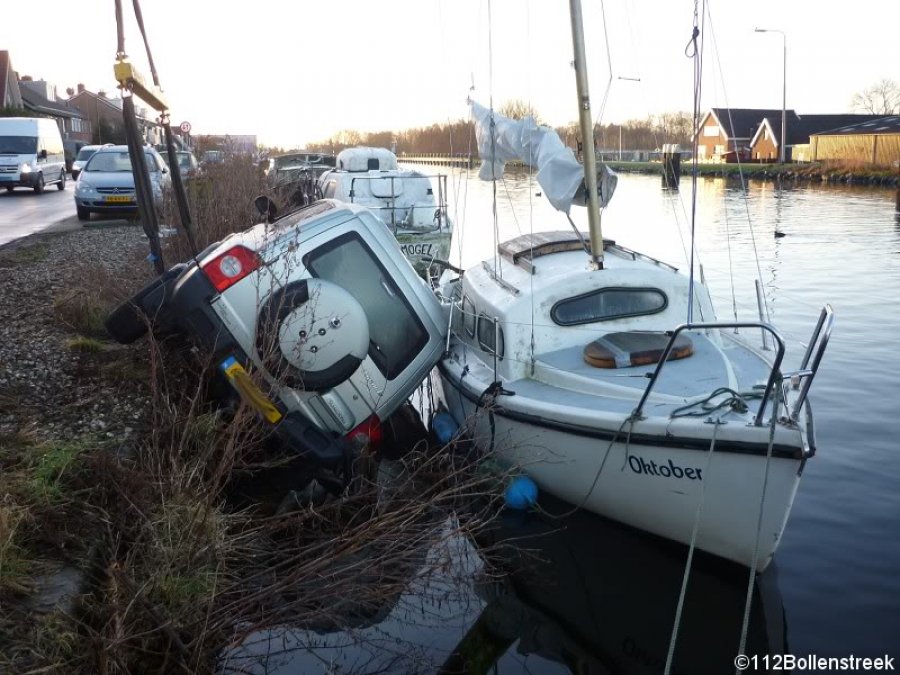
(440, 208)
(802, 379)
(774, 373)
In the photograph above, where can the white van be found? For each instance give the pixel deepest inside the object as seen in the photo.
(31, 153)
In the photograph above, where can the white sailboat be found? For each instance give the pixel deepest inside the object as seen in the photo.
(404, 199)
(604, 375)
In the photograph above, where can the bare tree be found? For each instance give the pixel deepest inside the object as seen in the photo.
(882, 98)
(518, 109)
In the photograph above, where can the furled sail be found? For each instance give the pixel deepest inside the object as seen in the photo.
(559, 174)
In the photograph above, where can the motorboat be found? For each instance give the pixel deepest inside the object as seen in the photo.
(604, 375)
(404, 199)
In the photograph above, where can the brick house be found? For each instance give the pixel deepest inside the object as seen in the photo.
(10, 97)
(105, 115)
(764, 145)
(724, 134)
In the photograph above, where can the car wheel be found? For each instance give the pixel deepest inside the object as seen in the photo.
(9, 188)
(83, 213)
(39, 186)
(128, 322)
(61, 185)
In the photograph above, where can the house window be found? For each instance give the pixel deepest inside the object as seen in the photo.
(608, 303)
(711, 130)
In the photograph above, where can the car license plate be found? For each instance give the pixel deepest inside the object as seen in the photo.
(119, 199)
(251, 394)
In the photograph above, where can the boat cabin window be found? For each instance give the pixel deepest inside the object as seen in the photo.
(487, 335)
(469, 316)
(608, 303)
(396, 335)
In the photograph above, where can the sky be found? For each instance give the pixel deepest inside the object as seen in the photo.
(297, 71)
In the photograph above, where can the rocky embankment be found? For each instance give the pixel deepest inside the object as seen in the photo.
(60, 376)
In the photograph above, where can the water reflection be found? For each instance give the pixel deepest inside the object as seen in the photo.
(580, 595)
(598, 597)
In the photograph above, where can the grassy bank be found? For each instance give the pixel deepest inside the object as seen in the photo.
(175, 523)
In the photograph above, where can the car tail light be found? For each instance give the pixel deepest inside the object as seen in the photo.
(369, 432)
(230, 267)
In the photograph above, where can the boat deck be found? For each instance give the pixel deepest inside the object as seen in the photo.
(563, 376)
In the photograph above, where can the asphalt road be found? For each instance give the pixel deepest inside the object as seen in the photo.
(22, 212)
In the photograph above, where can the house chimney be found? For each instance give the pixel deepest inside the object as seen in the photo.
(27, 78)
(101, 94)
(70, 92)
(80, 87)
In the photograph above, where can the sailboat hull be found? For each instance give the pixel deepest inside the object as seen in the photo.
(645, 475)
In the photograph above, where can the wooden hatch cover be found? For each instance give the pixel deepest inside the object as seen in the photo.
(634, 348)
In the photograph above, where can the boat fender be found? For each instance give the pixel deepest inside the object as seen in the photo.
(521, 493)
(444, 427)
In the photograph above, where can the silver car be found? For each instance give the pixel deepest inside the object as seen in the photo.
(322, 305)
(84, 154)
(106, 183)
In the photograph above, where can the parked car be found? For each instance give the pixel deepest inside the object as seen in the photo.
(321, 304)
(212, 157)
(31, 153)
(84, 154)
(106, 183)
(187, 164)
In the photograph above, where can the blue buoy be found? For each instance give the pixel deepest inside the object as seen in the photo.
(521, 493)
(444, 427)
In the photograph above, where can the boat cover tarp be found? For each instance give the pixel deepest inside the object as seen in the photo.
(559, 174)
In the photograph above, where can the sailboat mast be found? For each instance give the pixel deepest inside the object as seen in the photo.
(586, 123)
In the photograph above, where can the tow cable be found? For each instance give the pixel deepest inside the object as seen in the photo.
(133, 84)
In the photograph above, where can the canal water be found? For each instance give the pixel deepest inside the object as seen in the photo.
(591, 596)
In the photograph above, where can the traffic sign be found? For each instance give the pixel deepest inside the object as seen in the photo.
(185, 127)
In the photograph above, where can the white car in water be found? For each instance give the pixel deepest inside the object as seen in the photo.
(321, 305)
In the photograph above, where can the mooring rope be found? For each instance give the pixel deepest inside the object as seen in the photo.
(690, 557)
(745, 627)
(737, 401)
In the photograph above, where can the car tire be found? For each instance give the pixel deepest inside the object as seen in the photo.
(128, 322)
(83, 213)
(279, 307)
(9, 188)
(61, 185)
(39, 186)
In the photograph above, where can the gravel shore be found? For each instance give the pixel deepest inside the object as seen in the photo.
(60, 379)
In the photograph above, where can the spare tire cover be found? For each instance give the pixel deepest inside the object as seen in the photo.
(313, 334)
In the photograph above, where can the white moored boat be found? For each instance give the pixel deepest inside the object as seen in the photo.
(403, 198)
(604, 375)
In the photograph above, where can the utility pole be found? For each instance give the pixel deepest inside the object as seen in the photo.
(782, 146)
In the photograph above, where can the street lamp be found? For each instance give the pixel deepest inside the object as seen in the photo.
(783, 144)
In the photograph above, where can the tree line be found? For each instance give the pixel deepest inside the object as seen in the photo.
(458, 137)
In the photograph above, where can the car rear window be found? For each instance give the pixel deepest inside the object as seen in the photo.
(396, 335)
(84, 154)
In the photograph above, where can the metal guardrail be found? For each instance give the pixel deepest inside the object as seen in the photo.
(774, 373)
(440, 208)
(816, 349)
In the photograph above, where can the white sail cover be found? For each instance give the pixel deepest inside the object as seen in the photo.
(559, 174)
